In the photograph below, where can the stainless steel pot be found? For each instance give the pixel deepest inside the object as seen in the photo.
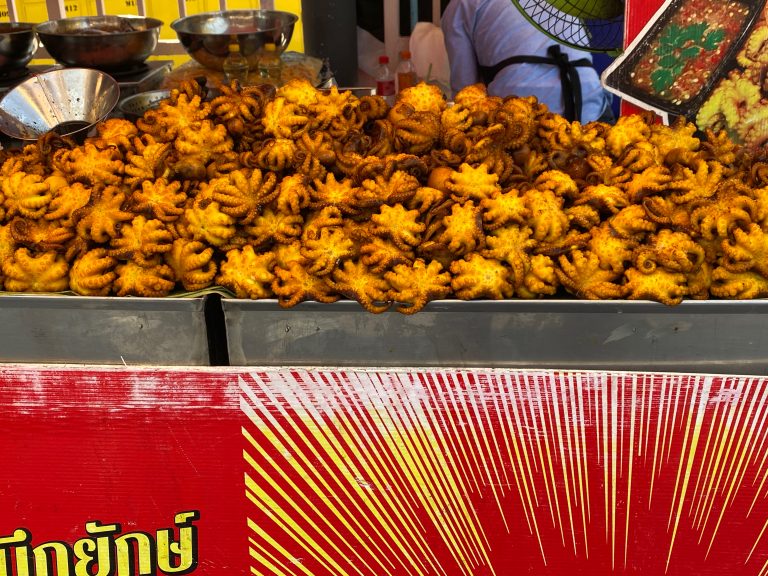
(206, 37)
(103, 42)
(18, 44)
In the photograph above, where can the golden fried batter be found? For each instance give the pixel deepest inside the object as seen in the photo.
(738, 285)
(583, 276)
(152, 281)
(540, 279)
(93, 273)
(305, 194)
(66, 201)
(192, 263)
(247, 274)
(660, 285)
(283, 119)
(274, 226)
(243, 193)
(148, 162)
(502, 208)
(25, 194)
(512, 245)
(472, 183)
(141, 240)
(414, 285)
(295, 284)
(90, 165)
(399, 187)
(41, 272)
(477, 277)
(463, 232)
(293, 194)
(746, 250)
(208, 223)
(399, 225)
(381, 254)
(100, 219)
(325, 249)
(117, 133)
(423, 97)
(160, 199)
(331, 192)
(166, 121)
(41, 235)
(355, 281)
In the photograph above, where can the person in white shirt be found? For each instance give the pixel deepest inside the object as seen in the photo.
(491, 41)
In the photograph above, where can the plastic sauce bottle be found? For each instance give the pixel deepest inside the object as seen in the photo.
(235, 65)
(270, 65)
(406, 73)
(385, 81)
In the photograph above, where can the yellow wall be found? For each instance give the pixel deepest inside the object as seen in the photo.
(166, 10)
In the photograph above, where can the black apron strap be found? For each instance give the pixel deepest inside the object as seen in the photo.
(569, 76)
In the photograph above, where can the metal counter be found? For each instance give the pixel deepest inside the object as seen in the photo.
(94, 330)
(713, 336)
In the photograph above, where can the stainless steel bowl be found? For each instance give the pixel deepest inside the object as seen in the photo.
(18, 44)
(68, 101)
(102, 42)
(206, 36)
(134, 106)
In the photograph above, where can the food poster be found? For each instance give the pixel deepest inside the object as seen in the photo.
(331, 472)
(704, 60)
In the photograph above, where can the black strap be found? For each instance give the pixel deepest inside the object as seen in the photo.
(569, 76)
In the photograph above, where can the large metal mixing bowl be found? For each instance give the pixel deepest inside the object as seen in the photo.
(206, 36)
(102, 42)
(68, 101)
(17, 45)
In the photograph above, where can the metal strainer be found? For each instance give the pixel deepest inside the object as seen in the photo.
(67, 100)
(134, 106)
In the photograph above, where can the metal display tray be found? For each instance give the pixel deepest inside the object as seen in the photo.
(712, 336)
(103, 330)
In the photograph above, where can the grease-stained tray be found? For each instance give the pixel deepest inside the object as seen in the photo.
(712, 336)
(109, 330)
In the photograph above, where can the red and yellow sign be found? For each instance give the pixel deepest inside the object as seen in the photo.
(363, 472)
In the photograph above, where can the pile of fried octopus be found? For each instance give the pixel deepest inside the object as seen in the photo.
(301, 195)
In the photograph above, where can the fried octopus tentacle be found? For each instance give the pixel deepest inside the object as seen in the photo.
(414, 285)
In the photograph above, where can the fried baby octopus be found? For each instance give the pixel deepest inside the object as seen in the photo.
(243, 193)
(310, 195)
(25, 271)
(153, 281)
(90, 165)
(247, 274)
(477, 277)
(295, 284)
(582, 275)
(141, 241)
(239, 108)
(166, 121)
(93, 273)
(192, 263)
(414, 285)
(355, 281)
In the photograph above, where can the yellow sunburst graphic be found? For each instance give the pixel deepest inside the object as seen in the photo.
(492, 472)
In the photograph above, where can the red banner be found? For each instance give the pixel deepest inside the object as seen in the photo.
(362, 472)
(637, 13)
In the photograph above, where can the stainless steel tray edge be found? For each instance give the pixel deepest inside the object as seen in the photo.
(700, 336)
(103, 330)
